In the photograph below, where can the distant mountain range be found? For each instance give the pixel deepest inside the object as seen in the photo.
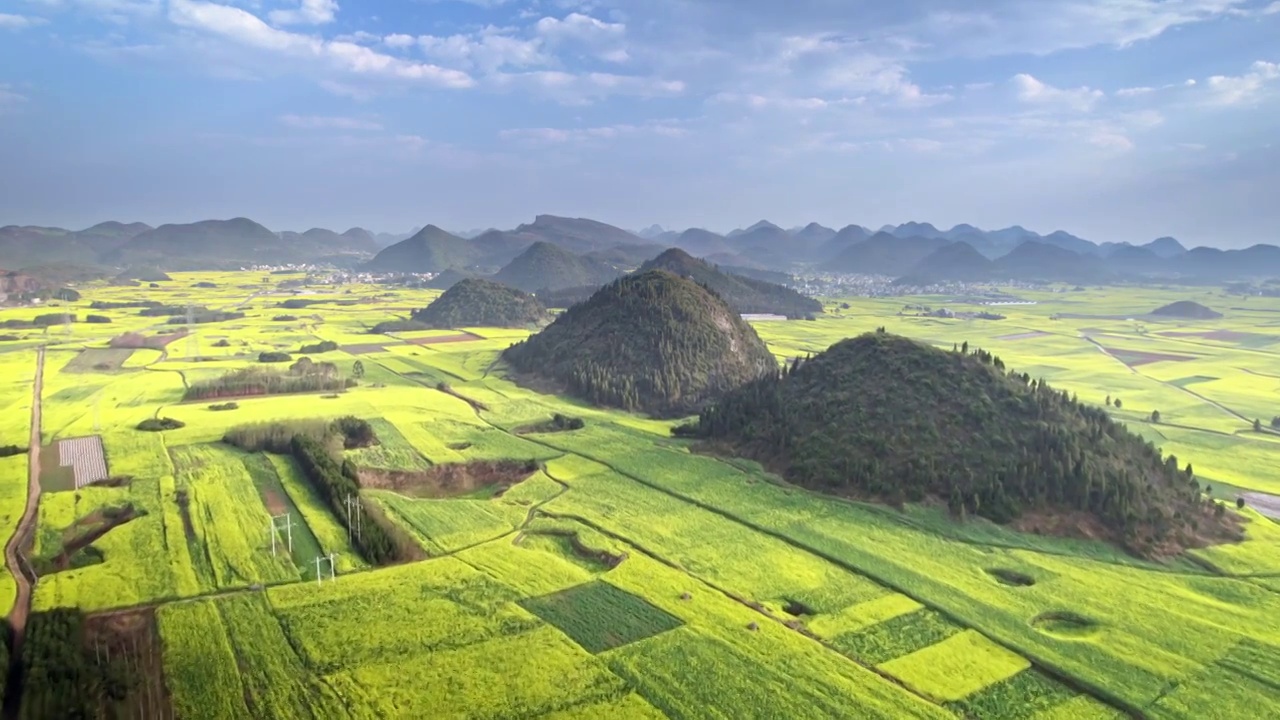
(914, 252)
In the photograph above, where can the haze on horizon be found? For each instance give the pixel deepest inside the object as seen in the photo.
(1115, 121)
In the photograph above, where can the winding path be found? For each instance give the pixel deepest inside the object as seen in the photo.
(21, 571)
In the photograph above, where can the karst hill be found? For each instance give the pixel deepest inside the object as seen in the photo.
(883, 417)
(744, 295)
(651, 341)
(1187, 309)
(474, 302)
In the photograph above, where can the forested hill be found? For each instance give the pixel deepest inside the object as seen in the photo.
(651, 341)
(473, 302)
(745, 295)
(885, 417)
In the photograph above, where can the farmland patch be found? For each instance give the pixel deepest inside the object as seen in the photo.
(1024, 336)
(1138, 358)
(364, 348)
(83, 459)
(74, 545)
(1024, 695)
(133, 639)
(98, 360)
(894, 638)
(599, 616)
(956, 667)
(1192, 380)
(481, 478)
(1246, 339)
(1066, 625)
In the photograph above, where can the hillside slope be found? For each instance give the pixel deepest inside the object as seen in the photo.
(545, 266)
(473, 302)
(886, 417)
(1187, 309)
(651, 341)
(431, 250)
(744, 295)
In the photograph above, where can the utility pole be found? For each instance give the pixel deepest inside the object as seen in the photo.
(288, 528)
(332, 573)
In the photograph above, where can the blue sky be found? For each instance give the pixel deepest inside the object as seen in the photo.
(1115, 120)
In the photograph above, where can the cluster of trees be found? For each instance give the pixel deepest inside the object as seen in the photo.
(887, 417)
(160, 424)
(313, 377)
(99, 319)
(285, 318)
(652, 341)
(297, 303)
(336, 435)
(474, 302)
(11, 450)
(378, 540)
(59, 677)
(110, 305)
(223, 407)
(207, 316)
(39, 321)
(160, 310)
(1275, 422)
(320, 347)
(273, 356)
(390, 326)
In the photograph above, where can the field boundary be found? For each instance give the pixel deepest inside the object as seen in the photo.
(23, 575)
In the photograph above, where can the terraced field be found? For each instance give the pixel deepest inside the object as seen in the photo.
(624, 576)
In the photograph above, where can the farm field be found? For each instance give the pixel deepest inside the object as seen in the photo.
(609, 571)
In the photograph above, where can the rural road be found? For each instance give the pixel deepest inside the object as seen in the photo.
(13, 549)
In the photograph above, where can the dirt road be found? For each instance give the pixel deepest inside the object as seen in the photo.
(21, 572)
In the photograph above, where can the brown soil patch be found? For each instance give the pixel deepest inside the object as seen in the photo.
(364, 349)
(275, 504)
(452, 480)
(132, 639)
(439, 339)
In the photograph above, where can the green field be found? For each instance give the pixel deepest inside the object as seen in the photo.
(627, 576)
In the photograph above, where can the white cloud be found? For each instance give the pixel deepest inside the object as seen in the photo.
(560, 136)
(9, 98)
(399, 40)
(247, 29)
(1032, 91)
(581, 89)
(488, 50)
(1134, 91)
(1017, 26)
(760, 102)
(308, 12)
(1111, 140)
(319, 122)
(1242, 89)
(1272, 9)
(18, 22)
(604, 39)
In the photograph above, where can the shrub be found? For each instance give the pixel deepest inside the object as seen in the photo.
(160, 424)
(11, 450)
(274, 357)
(97, 319)
(50, 319)
(320, 347)
(219, 407)
(285, 318)
(223, 343)
(391, 326)
(9, 338)
(1239, 503)
(205, 284)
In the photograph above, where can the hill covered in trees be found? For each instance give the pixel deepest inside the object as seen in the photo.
(651, 341)
(885, 417)
(546, 266)
(473, 302)
(1187, 309)
(744, 295)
